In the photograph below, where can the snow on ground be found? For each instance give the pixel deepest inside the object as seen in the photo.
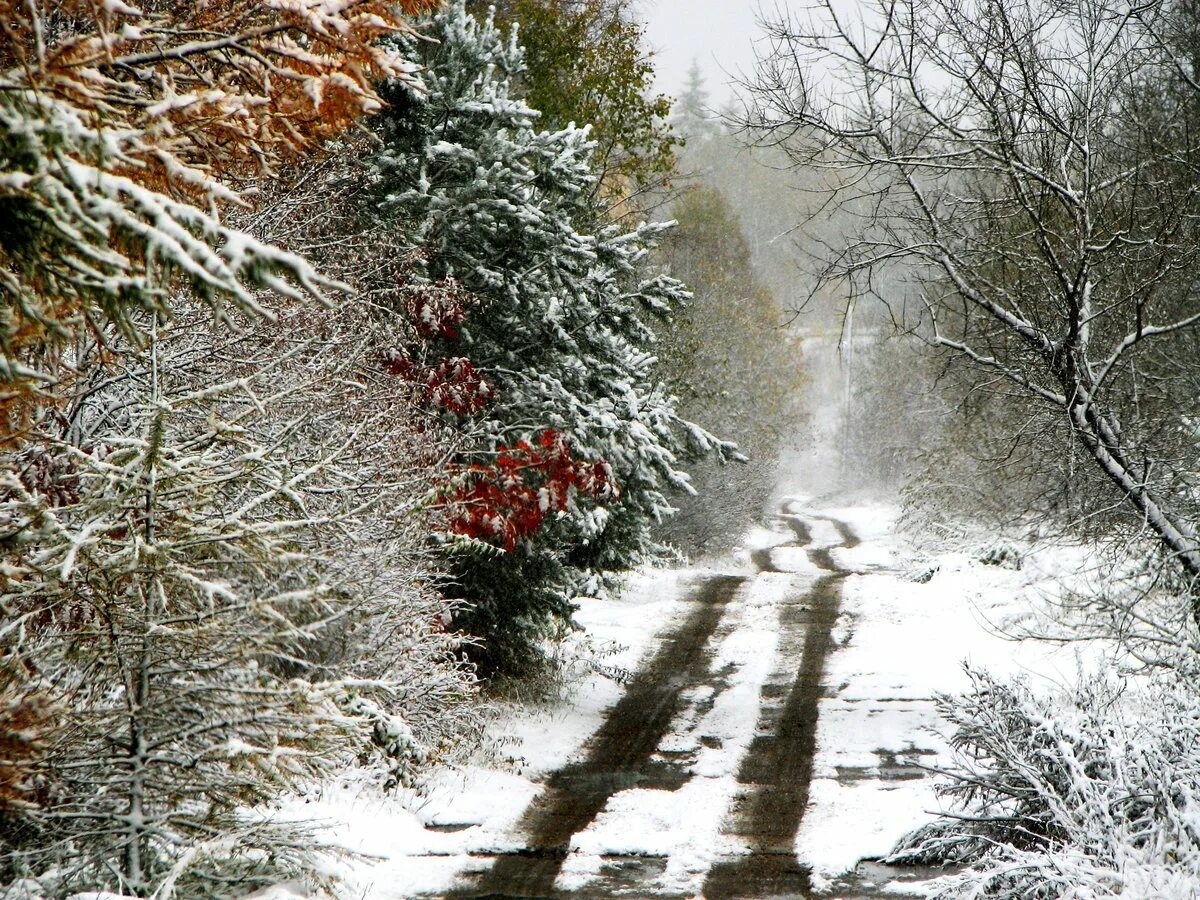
(909, 620)
(901, 642)
(411, 843)
(717, 725)
(795, 559)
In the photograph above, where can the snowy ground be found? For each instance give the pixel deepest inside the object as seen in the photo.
(905, 632)
(903, 625)
(416, 843)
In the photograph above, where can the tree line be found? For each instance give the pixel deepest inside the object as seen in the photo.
(331, 382)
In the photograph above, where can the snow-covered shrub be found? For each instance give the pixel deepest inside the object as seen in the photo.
(560, 333)
(1093, 794)
(122, 137)
(213, 570)
(1003, 555)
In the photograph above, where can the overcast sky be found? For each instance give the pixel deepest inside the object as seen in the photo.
(719, 34)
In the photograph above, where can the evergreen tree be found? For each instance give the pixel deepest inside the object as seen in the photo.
(199, 587)
(586, 61)
(580, 441)
(733, 363)
(692, 115)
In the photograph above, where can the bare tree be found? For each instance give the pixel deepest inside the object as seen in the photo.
(1044, 212)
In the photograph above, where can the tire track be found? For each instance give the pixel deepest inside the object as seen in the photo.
(777, 769)
(618, 754)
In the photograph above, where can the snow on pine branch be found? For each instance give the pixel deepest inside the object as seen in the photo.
(123, 133)
(1089, 794)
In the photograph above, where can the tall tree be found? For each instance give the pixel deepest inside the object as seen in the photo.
(1047, 222)
(732, 363)
(579, 439)
(586, 63)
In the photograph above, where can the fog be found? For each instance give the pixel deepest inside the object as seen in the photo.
(723, 37)
(719, 35)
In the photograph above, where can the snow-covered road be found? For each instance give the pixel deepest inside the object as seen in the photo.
(778, 730)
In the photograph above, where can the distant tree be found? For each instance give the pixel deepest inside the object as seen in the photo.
(733, 364)
(692, 115)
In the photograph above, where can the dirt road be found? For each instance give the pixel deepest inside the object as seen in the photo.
(626, 752)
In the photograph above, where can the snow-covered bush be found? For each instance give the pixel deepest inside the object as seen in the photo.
(559, 332)
(1093, 794)
(122, 136)
(213, 577)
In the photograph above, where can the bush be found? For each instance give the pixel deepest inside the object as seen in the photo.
(1094, 794)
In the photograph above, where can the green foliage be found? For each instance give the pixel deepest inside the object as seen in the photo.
(732, 364)
(561, 331)
(587, 63)
(515, 602)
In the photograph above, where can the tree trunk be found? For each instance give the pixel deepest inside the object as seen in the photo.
(1099, 437)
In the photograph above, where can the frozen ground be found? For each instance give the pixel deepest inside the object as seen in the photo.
(780, 730)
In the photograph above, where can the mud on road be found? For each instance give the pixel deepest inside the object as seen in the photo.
(775, 774)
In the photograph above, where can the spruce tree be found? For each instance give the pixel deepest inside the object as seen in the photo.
(562, 332)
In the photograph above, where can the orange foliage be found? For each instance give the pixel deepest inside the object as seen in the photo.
(196, 100)
(216, 89)
(24, 722)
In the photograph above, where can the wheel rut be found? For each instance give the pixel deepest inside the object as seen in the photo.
(618, 756)
(774, 776)
(776, 773)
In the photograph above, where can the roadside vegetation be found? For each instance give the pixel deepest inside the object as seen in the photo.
(1017, 187)
(330, 388)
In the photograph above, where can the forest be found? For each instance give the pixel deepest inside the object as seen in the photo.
(438, 459)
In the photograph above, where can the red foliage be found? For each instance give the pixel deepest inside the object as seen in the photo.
(509, 500)
(456, 386)
(398, 363)
(453, 385)
(437, 310)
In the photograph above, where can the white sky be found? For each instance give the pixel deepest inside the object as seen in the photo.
(723, 35)
(719, 34)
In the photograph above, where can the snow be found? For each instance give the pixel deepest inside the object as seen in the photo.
(398, 854)
(901, 642)
(908, 622)
(684, 826)
(863, 558)
(850, 821)
(278, 892)
(794, 560)
(418, 842)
